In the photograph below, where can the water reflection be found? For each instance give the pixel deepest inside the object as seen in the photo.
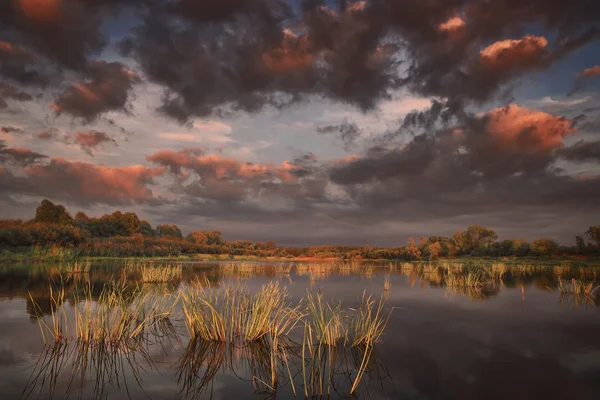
(530, 325)
(323, 371)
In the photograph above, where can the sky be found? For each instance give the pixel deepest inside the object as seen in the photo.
(303, 121)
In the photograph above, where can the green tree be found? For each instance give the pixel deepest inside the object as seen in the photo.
(543, 247)
(50, 213)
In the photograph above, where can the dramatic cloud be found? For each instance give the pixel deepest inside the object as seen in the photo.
(106, 90)
(521, 129)
(509, 54)
(92, 139)
(87, 184)
(270, 81)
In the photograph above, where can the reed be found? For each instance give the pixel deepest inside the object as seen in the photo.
(578, 287)
(77, 267)
(160, 273)
(117, 315)
(326, 320)
(369, 321)
(472, 278)
(387, 283)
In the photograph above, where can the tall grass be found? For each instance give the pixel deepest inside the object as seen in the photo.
(327, 321)
(578, 287)
(473, 278)
(387, 283)
(368, 322)
(77, 267)
(160, 273)
(118, 314)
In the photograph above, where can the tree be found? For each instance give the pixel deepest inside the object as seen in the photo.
(412, 249)
(480, 236)
(543, 247)
(593, 233)
(434, 251)
(146, 229)
(580, 245)
(49, 213)
(170, 231)
(81, 216)
(475, 237)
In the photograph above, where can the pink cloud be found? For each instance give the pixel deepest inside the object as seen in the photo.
(514, 52)
(95, 182)
(592, 72)
(521, 128)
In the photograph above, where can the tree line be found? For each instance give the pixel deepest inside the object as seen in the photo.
(123, 234)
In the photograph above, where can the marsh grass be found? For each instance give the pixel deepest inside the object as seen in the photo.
(578, 287)
(387, 283)
(161, 273)
(473, 278)
(119, 314)
(326, 320)
(77, 267)
(369, 321)
(234, 318)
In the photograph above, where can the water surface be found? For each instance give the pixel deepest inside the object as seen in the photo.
(518, 338)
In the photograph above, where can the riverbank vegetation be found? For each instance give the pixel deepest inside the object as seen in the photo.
(54, 234)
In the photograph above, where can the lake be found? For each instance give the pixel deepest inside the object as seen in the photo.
(518, 332)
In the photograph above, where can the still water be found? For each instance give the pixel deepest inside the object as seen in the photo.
(516, 337)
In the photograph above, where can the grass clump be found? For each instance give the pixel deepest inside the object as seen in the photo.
(117, 315)
(160, 273)
(578, 287)
(471, 278)
(327, 321)
(368, 322)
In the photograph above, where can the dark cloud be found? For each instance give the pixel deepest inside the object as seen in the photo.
(19, 156)
(581, 152)
(348, 132)
(107, 89)
(223, 56)
(10, 92)
(12, 129)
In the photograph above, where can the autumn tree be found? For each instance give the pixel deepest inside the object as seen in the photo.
(51, 213)
(476, 236)
(434, 251)
(206, 237)
(412, 250)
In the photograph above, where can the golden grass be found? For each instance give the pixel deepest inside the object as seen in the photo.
(119, 314)
(471, 278)
(387, 283)
(77, 267)
(160, 273)
(578, 287)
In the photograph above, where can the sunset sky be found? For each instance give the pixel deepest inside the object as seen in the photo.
(306, 122)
